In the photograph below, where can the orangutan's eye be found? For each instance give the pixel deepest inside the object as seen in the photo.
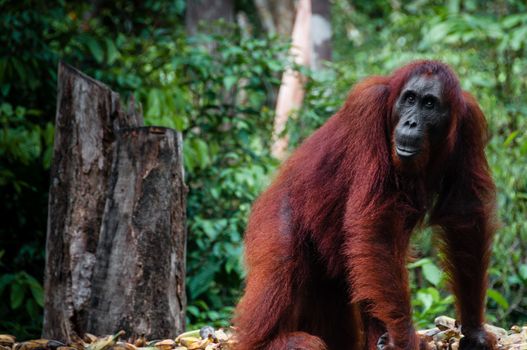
(429, 102)
(410, 98)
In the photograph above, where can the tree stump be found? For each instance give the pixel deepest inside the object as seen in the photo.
(84, 174)
(139, 276)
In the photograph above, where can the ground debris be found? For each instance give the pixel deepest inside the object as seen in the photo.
(447, 334)
(444, 336)
(206, 338)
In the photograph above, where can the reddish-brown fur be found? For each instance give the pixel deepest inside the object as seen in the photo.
(327, 243)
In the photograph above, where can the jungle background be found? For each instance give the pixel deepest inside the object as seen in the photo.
(218, 86)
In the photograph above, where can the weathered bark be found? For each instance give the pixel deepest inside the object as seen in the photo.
(138, 282)
(320, 33)
(88, 113)
(89, 118)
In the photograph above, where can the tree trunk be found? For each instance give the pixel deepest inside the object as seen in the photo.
(139, 279)
(88, 113)
(291, 93)
(89, 117)
(320, 33)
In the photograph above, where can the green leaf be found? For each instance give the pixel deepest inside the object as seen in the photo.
(20, 69)
(523, 271)
(510, 138)
(153, 104)
(518, 38)
(513, 20)
(438, 32)
(213, 315)
(6, 109)
(36, 290)
(209, 229)
(498, 298)
(180, 122)
(189, 158)
(202, 152)
(193, 310)
(111, 51)
(32, 308)
(432, 273)
(419, 263)
(200, 282)
(17, 295)
(426, 299)
(229, 81)
(5, 280)
(453, 6)
(95, 49)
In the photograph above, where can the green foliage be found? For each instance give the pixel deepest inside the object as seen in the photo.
(27, 86)
(229, 119)
(24, 295)
(428, 299)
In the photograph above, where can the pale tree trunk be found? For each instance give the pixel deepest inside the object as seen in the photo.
(291, 93)
(320, 33)
(84, 170)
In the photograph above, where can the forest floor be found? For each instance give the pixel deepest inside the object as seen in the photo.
(445, 335)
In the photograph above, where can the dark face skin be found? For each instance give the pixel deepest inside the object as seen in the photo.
(423, 115)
